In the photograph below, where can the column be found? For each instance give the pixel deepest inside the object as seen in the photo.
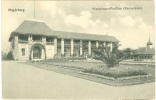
(80, 47)
(42, 55)
(97, 44)
(153, 57)
(29, 38)
(16, 52)
(32, 55)
(111, 47)
(29, 46)
(55, 46)
(16, 38)
(89, 47)
(62, 46)
(72, 47)
(104, 44)
(44, 39)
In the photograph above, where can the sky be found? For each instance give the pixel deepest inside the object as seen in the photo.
(130, 27)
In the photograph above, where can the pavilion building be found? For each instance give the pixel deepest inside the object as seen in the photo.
(145, 53)
(34, 40)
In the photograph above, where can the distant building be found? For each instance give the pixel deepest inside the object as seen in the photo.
(34, 40)
(128, 53)
(145, 53)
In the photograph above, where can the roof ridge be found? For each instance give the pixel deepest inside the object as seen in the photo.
(84, 33)
(35, 20)
(41, 28)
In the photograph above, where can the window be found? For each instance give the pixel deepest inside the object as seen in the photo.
(23, 51)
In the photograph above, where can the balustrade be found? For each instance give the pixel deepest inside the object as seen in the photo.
(50, 43)
(67, 45)
(37, 40)
(22, 41)
(93, 46)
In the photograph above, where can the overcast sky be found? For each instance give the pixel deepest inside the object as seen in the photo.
(130, 27)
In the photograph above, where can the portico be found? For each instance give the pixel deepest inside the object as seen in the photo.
(77, 48)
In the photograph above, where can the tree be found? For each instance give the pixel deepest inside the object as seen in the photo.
(4, 56)
(113, 58)
(128, 53)
(10, 55)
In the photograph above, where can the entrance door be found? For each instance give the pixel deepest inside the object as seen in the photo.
(37, 53)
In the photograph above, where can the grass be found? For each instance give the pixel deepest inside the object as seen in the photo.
(121, 71)
(75, 64)
(72, 69)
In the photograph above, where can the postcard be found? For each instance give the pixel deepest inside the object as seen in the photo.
(78, 49)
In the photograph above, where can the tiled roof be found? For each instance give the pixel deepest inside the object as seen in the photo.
(145, 50)
(84, 36)
(40, 28)
(33, 27)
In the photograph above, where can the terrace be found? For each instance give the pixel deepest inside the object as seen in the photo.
(22, 39)
(59, 43)
(67, 43)
(77, 44)
(36, 38)
(93, 44)
(100, 44)
(85, 44)
(49, 40)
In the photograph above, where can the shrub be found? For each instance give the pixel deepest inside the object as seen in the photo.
(76, 58)
(62, 55)
(56, 60)
(4, 56)
(10, 55)
(81, 56)
(116, 72)
(56, 56)
(97, 58)
(89, 56)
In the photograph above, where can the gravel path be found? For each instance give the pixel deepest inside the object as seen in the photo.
(26, 82)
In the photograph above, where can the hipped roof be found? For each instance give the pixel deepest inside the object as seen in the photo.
(40, 28)
(145, 50)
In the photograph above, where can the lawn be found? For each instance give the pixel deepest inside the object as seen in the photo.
(149, 69)
(76, 64)
(74, 69)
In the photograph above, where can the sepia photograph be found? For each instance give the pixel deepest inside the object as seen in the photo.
(78, 49)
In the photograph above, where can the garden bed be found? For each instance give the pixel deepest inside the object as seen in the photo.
(117, 72)
(78, 69)
(63, 59)
(117, 79)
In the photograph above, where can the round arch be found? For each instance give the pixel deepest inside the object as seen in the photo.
(40, 49)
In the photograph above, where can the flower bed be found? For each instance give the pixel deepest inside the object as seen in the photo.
(116, 72)
(61, 59)
(55, 60)
(76, 58)
(116, 79)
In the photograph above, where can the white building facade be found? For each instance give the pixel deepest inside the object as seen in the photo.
(34, 40)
